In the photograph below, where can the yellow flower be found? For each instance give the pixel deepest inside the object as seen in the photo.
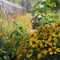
(50, 44)
(38, 47)
(34, 34)
(57, 24)
(42, 44)
(29, 53)
(19, 57)
(33, 42)
(53, 50)
(49, 39)
(53, 34)
(51, 30)
(50, 51)
(58, 49)
(44, 38)
(42, 54)
(40, 27)
(55, 41)
(45, 52)
(54, 25)
(52, 41)
(59, 34)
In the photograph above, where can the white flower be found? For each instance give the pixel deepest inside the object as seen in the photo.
(41, 5)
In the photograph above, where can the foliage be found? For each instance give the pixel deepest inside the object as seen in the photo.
(41, 45)
(42, 10)
(48, 19)
(57, 2)
(25, 21)
(11, 32)
(43, 7)
(51, 18)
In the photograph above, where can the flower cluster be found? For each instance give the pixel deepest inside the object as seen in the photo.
(41, 43)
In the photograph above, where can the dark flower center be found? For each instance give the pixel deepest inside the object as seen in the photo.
(43, 43)
(42, 54)
(29, 53)
(40, 38)
(53, 50)
(38, 46)
(34, 42)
